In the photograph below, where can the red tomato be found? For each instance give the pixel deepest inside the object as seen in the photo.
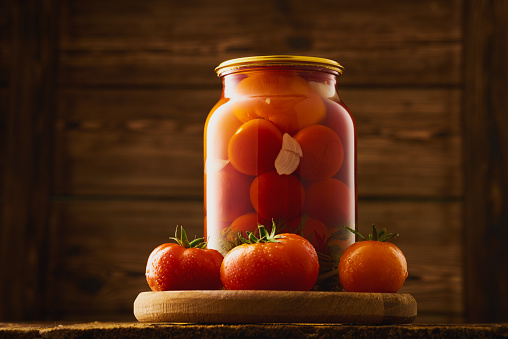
(245, 223)
(330, 201)
(184, 267)
(283, 98)
(313, 230)
(277, 196)
(230, 189)
(340, 121)
(289, 114)
(322, 152)
(222, 125)
(246, 108)
(372, 266)
(288, 264)
(292, 113)
(254, 147)
(273, 83)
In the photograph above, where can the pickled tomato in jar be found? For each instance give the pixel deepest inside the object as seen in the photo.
(280, 149)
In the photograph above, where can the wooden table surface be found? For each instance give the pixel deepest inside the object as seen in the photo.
(170, 330)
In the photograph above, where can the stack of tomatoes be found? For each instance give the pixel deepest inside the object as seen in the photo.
(244, 137)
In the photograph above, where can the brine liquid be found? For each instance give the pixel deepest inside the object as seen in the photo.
(280, 149)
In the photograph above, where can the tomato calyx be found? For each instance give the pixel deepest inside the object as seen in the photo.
(382, 235)
(264, 235)
(184, 241)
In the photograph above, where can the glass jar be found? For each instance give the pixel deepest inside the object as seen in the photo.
(280, 149)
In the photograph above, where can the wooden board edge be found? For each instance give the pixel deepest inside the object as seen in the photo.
(275, 307)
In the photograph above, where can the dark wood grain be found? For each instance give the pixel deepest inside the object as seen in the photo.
(486, 161)
(4, 78)
(4, 104)
(26, 177)
(132, 30)
(3, 133)
(149, 142)
(100, 250)
(379, 44)
(134, 142)
(4, 44)
(101, 247)
(408, 142)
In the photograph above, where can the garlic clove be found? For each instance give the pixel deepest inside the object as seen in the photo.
(288, 159)
(290, 144)
(286, 162)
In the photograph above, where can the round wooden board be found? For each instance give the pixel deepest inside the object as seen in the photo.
(233, 307)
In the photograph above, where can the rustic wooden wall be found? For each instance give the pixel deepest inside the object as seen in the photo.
(102, 107)
(485, 143)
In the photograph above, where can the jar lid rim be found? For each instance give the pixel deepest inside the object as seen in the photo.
(277, 60)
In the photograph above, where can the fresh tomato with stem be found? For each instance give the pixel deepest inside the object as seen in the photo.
(373, 265)
(184, 265)
(282, 262)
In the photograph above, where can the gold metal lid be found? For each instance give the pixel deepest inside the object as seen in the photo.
(278, 60)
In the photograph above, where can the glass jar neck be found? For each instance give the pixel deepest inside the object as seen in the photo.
(322, 82)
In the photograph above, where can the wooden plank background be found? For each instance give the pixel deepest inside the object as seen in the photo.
(4, 66)
(133, 84)
(486, 161)
(406, 43)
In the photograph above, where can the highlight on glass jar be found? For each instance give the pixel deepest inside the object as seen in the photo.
(280, 147)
